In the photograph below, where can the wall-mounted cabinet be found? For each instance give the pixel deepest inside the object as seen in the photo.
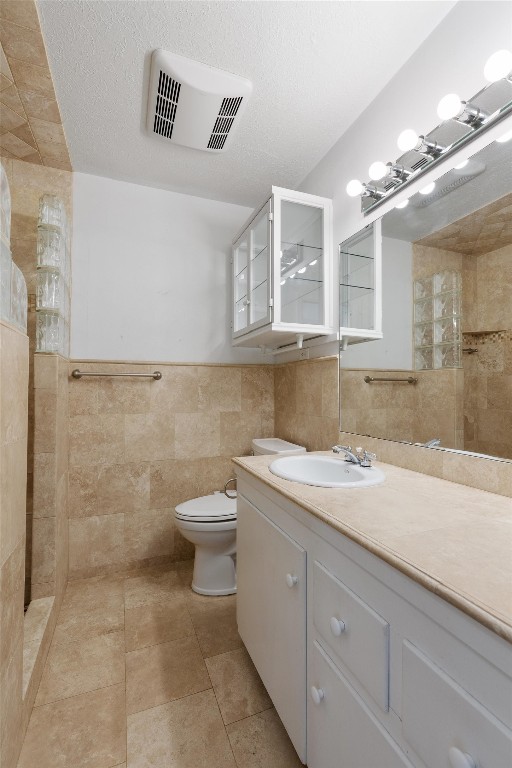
(283, 272)
(360, 276)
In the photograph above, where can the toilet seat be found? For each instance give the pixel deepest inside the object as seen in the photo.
(215, 508)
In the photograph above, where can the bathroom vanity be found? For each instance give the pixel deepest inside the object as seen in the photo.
(380, 619)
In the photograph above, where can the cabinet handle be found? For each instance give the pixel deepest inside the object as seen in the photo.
(291, 580)
(337, 626)
(460, 759)
(317, 694)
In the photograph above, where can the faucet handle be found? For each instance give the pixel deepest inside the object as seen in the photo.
(368, 457)
(340, 448)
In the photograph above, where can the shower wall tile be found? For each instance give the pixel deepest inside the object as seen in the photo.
(13, 482)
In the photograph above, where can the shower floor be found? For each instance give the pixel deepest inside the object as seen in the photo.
(143, 672)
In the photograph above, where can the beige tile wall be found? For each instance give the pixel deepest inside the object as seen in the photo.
(30, 124)
(415, 413)
(306, 402)
(27, 183)
(51, 458)
(13, 480)
(138, 447)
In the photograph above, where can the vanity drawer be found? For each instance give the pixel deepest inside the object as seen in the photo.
(342, 731)
(352, 632)
(438, 716)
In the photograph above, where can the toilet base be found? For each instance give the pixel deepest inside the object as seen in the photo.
(213, 574)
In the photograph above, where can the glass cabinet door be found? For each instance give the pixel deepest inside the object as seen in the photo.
(241, 283)
(359, 271)
(259, 293)
(301, 254)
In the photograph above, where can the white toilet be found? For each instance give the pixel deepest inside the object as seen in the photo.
(209, 522)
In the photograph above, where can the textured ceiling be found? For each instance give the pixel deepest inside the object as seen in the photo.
(30, 124)
(315, 66)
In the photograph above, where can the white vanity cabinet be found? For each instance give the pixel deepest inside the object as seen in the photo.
(393, 675)
(283, 278)
(271, 613)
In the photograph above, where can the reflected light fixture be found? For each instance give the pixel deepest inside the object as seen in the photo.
(301, 271)
(312, 263)
(506, 137)
(428, 189)
(403, 204)
(462, 165)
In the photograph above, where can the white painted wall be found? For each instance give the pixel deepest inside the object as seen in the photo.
(451, 60)
(151, 278)
(394, 350)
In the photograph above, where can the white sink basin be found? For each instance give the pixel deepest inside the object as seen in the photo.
(325, 471)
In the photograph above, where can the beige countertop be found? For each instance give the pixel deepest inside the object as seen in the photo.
(454, 540)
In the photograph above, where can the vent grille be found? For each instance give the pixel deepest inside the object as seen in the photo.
(166, 103)
(224, 121)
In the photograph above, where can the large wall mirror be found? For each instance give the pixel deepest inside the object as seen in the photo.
(446, 351)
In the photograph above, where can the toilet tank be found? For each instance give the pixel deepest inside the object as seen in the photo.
(270, 445)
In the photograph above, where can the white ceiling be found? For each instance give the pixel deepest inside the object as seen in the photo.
(315, 66)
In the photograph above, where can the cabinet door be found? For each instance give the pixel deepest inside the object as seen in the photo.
(360, 284)
(241, 284)
(271, 612)
(259, 269)
(303, 265)
(342, 732)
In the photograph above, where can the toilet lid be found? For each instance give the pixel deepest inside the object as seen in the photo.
(207, 509)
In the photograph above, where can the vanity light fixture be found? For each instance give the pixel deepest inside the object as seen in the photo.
(356, 187)
(498, 66)
(377, 170)
(452, 108)
(461, 121)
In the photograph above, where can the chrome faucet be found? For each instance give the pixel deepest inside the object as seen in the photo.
(360, 457)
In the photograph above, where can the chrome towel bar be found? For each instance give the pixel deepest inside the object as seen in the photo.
(409, 379)
(76, 374)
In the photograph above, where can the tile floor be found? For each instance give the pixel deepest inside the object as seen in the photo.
(144, 673)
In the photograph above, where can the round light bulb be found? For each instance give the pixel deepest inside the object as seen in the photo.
(460, 166)
(407, 140)
(498, 65)
(403, 204)
(377, 170)
(428, 189)
(449, 107)
(506, 137)
(354, 188)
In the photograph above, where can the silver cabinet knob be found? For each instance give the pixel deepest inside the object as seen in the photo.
(337, 626)
(291, 580)
(317, 694)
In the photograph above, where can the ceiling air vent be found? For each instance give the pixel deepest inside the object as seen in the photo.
(193, 104)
